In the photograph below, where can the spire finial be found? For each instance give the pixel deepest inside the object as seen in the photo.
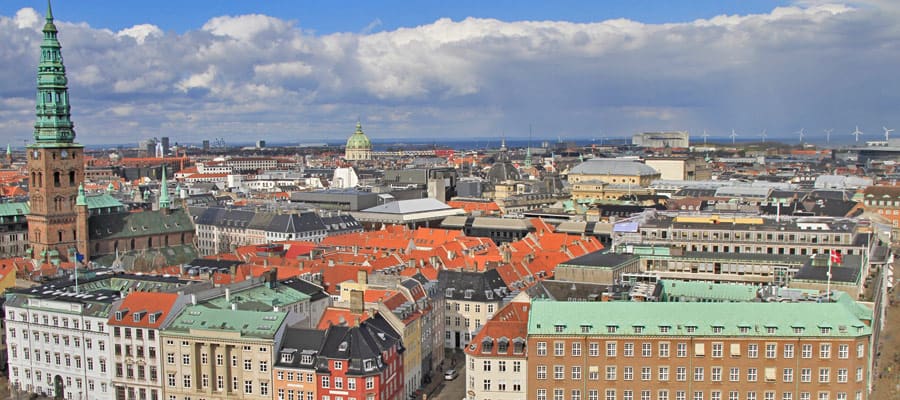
(163, 191)
(49, 11)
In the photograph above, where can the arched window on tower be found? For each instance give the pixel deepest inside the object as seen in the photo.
(59, 235)
(40, 179)
(150, 242)
(71, 178)
(56, 178)
(132, 244)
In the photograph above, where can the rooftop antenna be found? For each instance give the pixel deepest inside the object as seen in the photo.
(887, 133)
(801, 133)
(828, 135)
(763, 134)
(733, 135)
(856, 133)
(705, 135)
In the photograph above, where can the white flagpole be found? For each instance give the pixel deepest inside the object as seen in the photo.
(828, 285)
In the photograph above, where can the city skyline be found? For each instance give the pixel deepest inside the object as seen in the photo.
(253, 76)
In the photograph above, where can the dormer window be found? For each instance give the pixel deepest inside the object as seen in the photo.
(305, 359)
(469, 293)
(121, 314)
(690, 328)
(343, 346)
(487, 345)
(155, 316)
(559, 328)
(611, 328)
(448, 292)
(638, 329)
(369, 365)
(287, 357)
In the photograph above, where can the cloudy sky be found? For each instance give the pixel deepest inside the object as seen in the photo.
(304, 73)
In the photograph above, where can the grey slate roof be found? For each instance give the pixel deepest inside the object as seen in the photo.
(128, 225)
(613, 167)
(258, 220)
(409, 206)
(485, 286)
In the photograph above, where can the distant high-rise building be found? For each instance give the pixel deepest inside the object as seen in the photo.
(206, 145)
(165, 145)
(260, 144)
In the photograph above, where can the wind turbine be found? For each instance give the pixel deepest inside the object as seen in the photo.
(887, 133)
(801, 132)
(733, 135)
(856, 133)
(763, 134)
(705, 135)
(828, 135)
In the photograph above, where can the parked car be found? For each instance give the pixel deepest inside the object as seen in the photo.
(450, 375)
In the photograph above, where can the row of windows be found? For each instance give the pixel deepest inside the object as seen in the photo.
(56, 339)
(663, 394)
(716, 374)
(55, 358)
(187, 383)
(487, 365)
(220, 360)
(770, 350)
(46, 319)
(138, 333)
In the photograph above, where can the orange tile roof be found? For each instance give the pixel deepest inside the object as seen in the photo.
(510, 322)
(151, 302)
(339, 316)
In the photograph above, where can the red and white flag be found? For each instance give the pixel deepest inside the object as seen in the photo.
(836, 257)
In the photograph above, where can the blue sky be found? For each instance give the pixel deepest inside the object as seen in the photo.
(353, 16)
(290, 71)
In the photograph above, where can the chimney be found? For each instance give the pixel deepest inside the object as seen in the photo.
(193, 299)
(234, 306)
(227, 294)
(357, 301)
(272, 278)
(362, 277)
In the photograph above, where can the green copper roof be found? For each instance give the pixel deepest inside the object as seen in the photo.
(359, 140)
(696, 291)
(163, 191)
(249, 324)
(259, 298)
(567, 318)
(14, 210)
(53, 124)
(101, 201)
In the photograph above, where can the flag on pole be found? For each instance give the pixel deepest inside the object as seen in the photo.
(835, 257)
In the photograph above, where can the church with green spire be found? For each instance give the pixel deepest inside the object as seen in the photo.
(65, 223)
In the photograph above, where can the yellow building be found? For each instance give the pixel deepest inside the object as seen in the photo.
(613, 171)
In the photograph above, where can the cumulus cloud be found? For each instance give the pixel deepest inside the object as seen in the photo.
(141, 32)
(814, 65)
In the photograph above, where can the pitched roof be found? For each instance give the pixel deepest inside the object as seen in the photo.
(143, 305)
(409, 206)
(145, 223)
(613, 167)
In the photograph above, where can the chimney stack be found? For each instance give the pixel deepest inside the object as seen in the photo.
(362, 277)
(357, 301)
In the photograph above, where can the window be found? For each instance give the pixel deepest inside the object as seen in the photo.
(734, 374)
(628, 373)
(542, 348)
(806, 375)
(859, 374)
(628, 350)
(486, 365)
(559, 372)
(170, 379)
(576, 373)
(751, 374)
(646, 350)
(825, 350)
(787, 374)
(824, 375)
(610, 394)
(664, 349)
(716, 374)
(576, 349)
(788, 350)
(698, 374)
(681, 350)
(717, 350)
(681, 374)
(610, 349)
(542, 372)
(186, 359)
(860, 350)
(248, 386)
(326, 382)
(186, 381)
(663, 374)
(594, 349)
(843, 351)
(806, 351)
(542, 394)
(753, 350)
(842, 375)
(771, 349)
(610, 372)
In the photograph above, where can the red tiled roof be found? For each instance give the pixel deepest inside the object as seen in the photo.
(147, 302)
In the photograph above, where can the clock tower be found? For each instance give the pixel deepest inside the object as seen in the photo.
(55, 161)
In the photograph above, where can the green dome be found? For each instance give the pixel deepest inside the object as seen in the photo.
(359, 140)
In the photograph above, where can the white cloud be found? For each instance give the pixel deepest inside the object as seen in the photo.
(28, 18)
(201, 80)
(141, 32)
(804, 65)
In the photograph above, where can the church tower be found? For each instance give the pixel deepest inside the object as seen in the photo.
(55, 161)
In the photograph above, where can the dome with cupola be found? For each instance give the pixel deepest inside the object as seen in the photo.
(358, 145)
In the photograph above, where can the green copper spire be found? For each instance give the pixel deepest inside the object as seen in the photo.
(163, 191)
(8, 150)
(81, 200)
(53, 124)
(110, 188)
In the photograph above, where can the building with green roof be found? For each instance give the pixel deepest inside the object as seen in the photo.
(694, 350)
(358, 146)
